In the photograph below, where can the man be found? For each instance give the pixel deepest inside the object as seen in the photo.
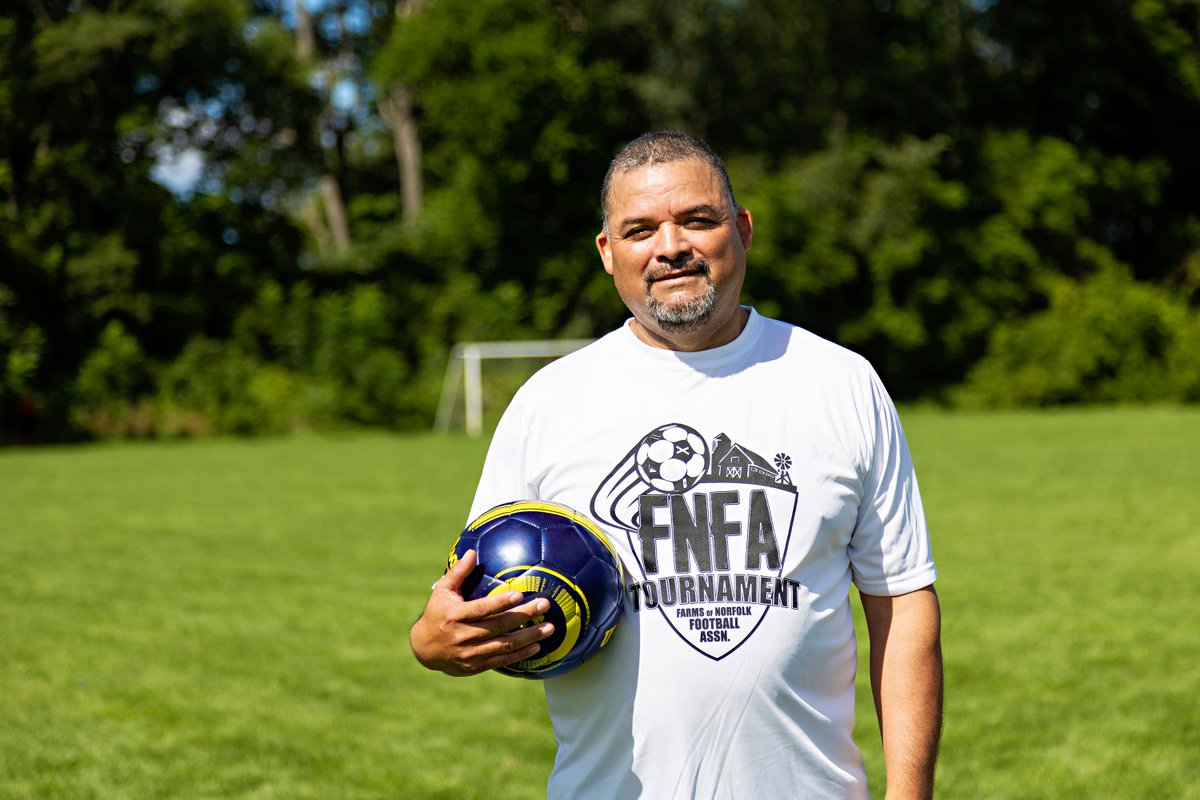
(785, 477)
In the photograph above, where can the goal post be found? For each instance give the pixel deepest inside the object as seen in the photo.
(465, 368)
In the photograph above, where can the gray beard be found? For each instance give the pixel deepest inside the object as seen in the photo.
(687, 316)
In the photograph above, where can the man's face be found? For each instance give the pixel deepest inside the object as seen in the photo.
(677, 253)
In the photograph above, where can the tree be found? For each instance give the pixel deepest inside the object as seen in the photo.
(924, 175)
(516, 126)
(92, 99)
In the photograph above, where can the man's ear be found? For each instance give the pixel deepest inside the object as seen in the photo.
(605, 248)
(745, 226)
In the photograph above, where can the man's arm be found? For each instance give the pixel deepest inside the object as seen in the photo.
(906, 678)
(465, 637)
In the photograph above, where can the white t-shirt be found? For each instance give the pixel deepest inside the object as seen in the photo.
(744, 487)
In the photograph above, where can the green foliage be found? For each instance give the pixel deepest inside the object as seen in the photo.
(113, 372)
(295, 360)
(91, 96)
(913, 254)
(20, 351)
(517, 123)
(1173, 29)
(217, 387)
(1105, 339)
(922, 175)
(845, 243)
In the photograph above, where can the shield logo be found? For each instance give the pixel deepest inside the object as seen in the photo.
(708, 525)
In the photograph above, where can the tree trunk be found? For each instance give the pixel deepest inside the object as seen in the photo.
(335, 212)
(331, 192)
(306, 40)
(396, 108)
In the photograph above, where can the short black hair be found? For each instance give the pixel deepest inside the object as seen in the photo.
(663, 147)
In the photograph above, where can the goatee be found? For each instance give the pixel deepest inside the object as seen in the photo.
(688, 315)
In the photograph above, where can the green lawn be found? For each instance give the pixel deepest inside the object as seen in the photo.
(228, 619)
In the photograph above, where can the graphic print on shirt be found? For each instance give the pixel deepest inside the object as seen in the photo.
(709, 524)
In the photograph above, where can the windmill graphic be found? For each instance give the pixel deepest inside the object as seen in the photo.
(783, 462)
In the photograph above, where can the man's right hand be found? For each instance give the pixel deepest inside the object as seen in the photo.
(466, 637)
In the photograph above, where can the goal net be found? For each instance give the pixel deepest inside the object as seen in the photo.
(464, 375)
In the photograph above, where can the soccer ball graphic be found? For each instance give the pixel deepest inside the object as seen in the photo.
(547, 550)
(672, 458)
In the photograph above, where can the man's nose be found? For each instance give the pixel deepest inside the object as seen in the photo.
(670, 243)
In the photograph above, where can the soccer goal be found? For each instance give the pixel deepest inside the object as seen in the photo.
(465, 369)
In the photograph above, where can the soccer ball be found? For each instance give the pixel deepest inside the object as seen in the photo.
(672, 458)
(547, 550)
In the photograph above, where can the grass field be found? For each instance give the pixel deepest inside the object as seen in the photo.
(228, 619)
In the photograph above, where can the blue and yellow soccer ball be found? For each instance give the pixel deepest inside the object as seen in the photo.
(547, 550)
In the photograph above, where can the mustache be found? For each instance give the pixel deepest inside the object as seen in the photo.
(698, 265)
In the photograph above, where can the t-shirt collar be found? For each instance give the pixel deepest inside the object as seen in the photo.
(703, 360)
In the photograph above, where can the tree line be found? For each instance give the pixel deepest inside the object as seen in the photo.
(255, 215)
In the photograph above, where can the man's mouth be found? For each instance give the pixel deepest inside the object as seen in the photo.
(673, 273)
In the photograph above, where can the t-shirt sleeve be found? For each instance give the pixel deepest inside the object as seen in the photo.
(890, 552)
(503, 479)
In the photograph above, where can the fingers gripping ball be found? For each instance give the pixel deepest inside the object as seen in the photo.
(547, 550)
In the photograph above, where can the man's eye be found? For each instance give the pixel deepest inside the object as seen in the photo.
(640, 232)
(700, 222)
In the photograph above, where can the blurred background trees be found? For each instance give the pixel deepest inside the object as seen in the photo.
(255, 215)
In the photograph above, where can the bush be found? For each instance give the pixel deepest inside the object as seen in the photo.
(108, 384)
(217, 387)
(296, 360)
(1106, 339)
